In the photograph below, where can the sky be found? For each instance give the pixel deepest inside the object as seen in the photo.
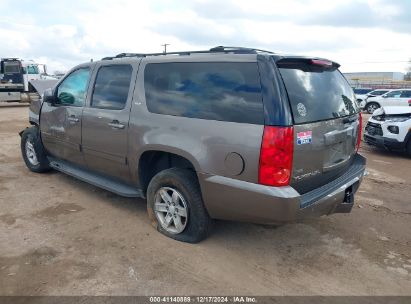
(361, 35)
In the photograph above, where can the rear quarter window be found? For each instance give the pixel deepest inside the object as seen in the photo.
(224, 91)
(316, 93)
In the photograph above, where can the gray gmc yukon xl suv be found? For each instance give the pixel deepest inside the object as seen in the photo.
(230, 133)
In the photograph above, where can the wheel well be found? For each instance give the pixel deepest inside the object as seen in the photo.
(152, 162)
(370, 102)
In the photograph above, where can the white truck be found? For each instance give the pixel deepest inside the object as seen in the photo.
(23, 81)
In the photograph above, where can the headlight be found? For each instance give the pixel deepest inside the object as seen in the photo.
(397, 119)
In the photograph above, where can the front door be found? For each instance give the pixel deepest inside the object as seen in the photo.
(105, 120)
(60, 125)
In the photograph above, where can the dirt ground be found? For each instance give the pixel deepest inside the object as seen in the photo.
(60, 236)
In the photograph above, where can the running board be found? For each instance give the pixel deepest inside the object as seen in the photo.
(96, 179)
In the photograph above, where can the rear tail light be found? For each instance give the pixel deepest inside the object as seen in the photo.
(359, 131)
(321, 62)
(409, 102)
(276, 156)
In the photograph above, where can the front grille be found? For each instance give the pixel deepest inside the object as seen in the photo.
(373, 129)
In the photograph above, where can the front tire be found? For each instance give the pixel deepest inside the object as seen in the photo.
(33, 152)
(175, 206)
(371, 107)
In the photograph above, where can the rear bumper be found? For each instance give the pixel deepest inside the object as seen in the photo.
(383, 142)
(232, 199)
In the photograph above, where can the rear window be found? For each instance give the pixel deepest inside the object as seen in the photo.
(224, 91)
(316, 92)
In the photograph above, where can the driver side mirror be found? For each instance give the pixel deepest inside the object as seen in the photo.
(384, 96)
(49, 97)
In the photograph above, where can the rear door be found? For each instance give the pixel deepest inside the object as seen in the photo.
(392, 98)
(405, 98)
(325, 118)
(106, 119)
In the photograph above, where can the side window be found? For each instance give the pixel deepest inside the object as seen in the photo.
(394, 94)
(72, 91)
(32, 69)
(224, 91)
(405, 94)
(111, 87)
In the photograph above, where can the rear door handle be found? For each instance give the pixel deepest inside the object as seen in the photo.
(116, 124)
(73, 119)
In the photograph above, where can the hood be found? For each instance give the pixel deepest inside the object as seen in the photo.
(392, 110)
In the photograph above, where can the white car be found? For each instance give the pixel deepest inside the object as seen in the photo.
(374, 93)
(362, 93)
(399, 97)
(390, 128)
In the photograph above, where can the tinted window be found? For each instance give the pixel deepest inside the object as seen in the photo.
(11, 68)
(406, 94)
(361, 91)
(378, 92)
(72, 91)
(316, 93)
(393, 94)
(219, 91)
(32, 69)
(111, 87)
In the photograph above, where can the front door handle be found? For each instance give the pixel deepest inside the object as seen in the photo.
(116, 124)
(73, 119)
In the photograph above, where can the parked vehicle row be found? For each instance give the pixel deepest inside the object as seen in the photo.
(229, 133)
(383, 97)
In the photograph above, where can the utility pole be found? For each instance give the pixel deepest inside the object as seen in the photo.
(165, 47)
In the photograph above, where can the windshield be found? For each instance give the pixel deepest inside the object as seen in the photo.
(11, 68)
(378, 93)
(316, 92)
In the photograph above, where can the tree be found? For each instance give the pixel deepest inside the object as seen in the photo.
(408, 74)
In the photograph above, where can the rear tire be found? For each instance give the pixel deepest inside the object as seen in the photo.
(33, 152)
(371, 107)
(175, 206)
(408, 150)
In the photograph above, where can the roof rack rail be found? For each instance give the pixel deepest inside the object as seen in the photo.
(238, 49)
(217, 49)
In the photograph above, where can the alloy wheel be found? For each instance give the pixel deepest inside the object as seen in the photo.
(171, 210)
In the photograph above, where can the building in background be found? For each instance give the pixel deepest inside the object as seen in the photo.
(376, 80)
